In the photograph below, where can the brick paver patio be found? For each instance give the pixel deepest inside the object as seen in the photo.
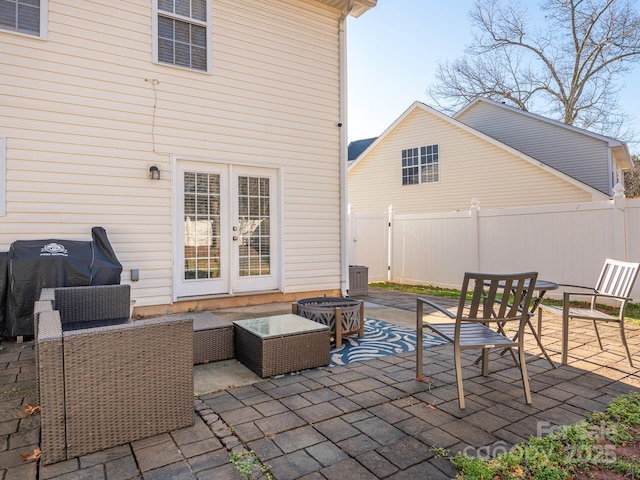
(366, 420)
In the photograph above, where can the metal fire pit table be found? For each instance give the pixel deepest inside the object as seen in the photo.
(326, 310)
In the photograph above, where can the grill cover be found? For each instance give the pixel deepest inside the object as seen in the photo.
(37, 264)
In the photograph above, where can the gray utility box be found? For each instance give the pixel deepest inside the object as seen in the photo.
(358, 280)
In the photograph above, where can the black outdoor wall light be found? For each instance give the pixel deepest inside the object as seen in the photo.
(154, 172)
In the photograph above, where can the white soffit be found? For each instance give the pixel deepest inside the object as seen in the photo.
(359, 6)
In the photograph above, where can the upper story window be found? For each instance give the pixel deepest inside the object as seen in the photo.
(28, 17)
(182, 33)
(420, 165)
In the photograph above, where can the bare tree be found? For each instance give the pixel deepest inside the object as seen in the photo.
(567, 65)
(632, 179)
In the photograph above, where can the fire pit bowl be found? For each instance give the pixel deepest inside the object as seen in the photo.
(326, 310)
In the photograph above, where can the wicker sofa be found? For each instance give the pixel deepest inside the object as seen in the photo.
(103, 379)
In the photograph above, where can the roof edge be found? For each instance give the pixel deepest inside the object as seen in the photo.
(611, 142)
(359, 6)
(535, 162)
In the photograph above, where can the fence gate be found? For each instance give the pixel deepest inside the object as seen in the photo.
(369, 243)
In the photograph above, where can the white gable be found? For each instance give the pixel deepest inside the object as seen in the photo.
(472, 164)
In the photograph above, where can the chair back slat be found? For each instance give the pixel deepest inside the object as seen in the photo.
(492, 293)
(462, 302)
(477, 298)
(617, 278)
(495, 297)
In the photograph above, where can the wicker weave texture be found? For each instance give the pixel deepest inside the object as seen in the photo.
(39, 307)
(277, 355)
(47, 294)
(127, 383)
(212, 336)
(50, 381)
(212, 339)
(93, 303)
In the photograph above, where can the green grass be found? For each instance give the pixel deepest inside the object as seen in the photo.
(419, 289)
(568, 450)
(248, 464)
(632, 314)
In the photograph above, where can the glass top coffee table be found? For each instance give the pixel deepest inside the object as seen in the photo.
(281, 344)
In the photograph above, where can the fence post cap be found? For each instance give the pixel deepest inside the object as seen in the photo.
(618, 191)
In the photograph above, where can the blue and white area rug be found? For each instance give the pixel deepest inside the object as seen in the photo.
(380, 339)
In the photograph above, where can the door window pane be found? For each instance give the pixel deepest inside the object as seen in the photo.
(201, 226)
(254, 239)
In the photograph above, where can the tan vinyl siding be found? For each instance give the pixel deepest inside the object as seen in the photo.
(580, 156)
(78, 115)
(470, 167)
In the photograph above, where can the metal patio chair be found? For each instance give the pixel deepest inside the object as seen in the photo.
(495, 299)
(613, 286)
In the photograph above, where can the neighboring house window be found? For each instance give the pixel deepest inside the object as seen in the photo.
(182, 33)
(420, 165)
(3, 176)
(24, 16)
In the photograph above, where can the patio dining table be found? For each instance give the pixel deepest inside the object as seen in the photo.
(541, 287)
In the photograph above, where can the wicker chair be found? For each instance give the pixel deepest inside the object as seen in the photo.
(103, 379)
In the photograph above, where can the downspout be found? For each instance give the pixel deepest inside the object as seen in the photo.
(342, 125)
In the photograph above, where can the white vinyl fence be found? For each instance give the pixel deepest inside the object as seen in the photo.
(563, 243)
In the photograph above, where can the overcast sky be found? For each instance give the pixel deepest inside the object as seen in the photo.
(393, 50)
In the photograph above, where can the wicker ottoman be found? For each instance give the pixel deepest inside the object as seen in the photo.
(212, 339)
(280, 344)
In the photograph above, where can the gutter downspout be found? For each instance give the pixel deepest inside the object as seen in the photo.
(342, 122)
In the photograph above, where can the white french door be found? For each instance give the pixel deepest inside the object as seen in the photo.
(227, 229)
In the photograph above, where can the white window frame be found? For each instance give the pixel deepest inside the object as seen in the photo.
(207, 25)
(421, 165)
(3, 177)
(44, 21)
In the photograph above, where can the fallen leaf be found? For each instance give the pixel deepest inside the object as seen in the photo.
(517, 470)
(31, 410)
(27, 457)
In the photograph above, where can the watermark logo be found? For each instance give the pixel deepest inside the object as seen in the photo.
(54, 249)
(590, 445)
(489, 451)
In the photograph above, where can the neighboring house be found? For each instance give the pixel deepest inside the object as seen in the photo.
(232, 106)
(594, 159)
(358, 146)
(428, 162)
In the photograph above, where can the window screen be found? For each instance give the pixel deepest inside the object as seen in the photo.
(20, 16)
(182, 33)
